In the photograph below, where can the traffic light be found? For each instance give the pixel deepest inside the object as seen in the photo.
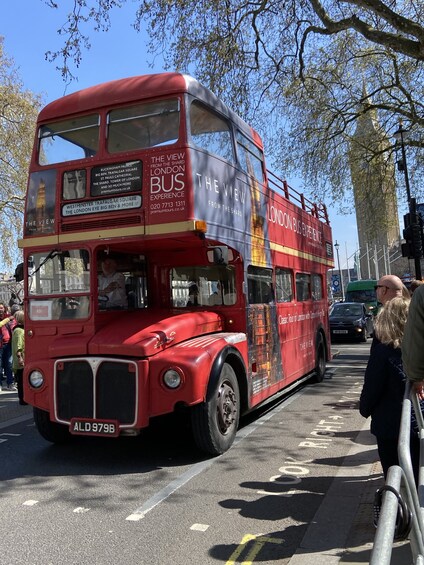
(417, 238)
(413, 235)
(407, 247)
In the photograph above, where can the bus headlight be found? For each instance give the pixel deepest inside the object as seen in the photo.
(36, 379)
(172, 378)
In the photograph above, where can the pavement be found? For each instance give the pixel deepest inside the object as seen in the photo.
(344, 520)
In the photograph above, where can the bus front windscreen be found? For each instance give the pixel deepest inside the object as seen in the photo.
(59, 285)
(361, 295)
(151, 124)
(68, 140)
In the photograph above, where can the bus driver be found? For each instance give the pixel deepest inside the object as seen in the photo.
(112, 285)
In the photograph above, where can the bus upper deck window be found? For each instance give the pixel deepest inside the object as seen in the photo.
(76, 138)
(145, 125)
(210, 132)
(251, 157)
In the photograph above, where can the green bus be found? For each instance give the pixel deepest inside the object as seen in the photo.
(362, 291)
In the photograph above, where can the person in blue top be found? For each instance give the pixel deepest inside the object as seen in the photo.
(384, 385)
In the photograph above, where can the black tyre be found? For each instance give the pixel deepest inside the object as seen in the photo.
(55, 433)
(320, 360)
(364, 335)
(215, 421)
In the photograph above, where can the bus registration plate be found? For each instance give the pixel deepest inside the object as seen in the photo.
(87, 427)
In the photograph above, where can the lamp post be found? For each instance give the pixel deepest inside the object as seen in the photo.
(413, 229)
(337, 245)
(402, 166)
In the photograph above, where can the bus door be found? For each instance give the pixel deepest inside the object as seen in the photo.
(263, 339)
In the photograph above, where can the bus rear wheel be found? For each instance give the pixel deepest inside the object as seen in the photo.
(215, 421)
(50, 431)
(320, 360)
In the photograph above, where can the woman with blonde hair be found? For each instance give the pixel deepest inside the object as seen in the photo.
(384, 384)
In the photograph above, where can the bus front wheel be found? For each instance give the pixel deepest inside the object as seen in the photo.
(55, 433)
(216, 420)
(320, 360)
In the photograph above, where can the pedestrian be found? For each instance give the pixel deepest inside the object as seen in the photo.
(18, 353)
(413, 342)
(388, 287)
(414, 285)
(384, 385)
(14, 300)
(6, 326)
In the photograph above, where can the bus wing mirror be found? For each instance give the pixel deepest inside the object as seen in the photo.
(19, 272)
(218, 255)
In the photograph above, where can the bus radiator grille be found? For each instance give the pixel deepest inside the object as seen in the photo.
(105, 391)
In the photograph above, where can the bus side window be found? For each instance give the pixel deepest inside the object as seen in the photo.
(259, 285)
(316, 287)
(251, 157)
(283, 285)
(210, 132)
(303, 286)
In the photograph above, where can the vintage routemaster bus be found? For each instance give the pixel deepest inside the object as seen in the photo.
(165, 268)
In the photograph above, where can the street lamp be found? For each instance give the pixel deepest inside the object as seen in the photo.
(337, 245)
(401, 163)
(413, 229)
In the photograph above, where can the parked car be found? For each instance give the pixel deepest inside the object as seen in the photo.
(350, 320)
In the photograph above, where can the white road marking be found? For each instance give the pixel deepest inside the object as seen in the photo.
(30, 503)
(2, 439)
(168, 490)
(17, 420)
(199, 527)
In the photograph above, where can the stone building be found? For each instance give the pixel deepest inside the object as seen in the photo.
(373, 179)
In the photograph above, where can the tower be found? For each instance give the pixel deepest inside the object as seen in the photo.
(373, 180)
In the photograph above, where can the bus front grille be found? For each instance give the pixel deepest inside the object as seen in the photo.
(102, 389)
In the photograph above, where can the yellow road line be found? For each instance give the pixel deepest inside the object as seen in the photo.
(259, 540)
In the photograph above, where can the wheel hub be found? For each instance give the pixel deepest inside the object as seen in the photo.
(226, 408)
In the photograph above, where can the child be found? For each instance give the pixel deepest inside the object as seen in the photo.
(18, 353)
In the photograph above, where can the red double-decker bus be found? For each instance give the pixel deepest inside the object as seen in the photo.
(164, 267)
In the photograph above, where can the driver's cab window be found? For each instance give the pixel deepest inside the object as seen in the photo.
(121, 280)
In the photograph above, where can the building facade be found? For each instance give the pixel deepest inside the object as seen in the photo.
(373, 179)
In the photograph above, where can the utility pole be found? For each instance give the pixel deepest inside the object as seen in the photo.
(337, 245)
(412, 233)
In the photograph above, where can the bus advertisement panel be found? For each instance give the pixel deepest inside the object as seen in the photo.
(165, 267)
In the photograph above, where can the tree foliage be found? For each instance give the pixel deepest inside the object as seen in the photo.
(18, 113)
(301, 71)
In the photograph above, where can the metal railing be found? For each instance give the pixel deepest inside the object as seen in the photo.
(401, 482)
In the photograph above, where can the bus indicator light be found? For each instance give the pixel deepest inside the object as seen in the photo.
(201, 226)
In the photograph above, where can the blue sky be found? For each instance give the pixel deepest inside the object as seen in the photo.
(30, 29)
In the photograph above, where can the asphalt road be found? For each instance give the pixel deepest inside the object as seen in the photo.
(156, 500)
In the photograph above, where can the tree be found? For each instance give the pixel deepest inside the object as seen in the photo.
(18, 113)
(302, 71)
